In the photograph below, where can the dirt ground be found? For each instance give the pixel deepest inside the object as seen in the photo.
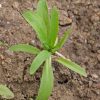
(82, 47)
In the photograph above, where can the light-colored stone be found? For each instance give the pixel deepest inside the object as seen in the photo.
(15, 4)
(95, 17)
(64, 19)
(98, 51)
(0, 5)
(95, 76)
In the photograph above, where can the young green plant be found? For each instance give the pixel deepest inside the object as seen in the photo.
(5, 92)
(46, 26)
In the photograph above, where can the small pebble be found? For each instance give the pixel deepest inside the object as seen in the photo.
(15, 5)
(64, 19)
(1, 57)
(8, 22)
(98, 51)
(3, 62)
(95, 76)
(8, 60)
(0, 5)
(96, 92)
(95, 18)
(33, 42)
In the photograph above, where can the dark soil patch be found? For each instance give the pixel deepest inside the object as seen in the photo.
(83, 48)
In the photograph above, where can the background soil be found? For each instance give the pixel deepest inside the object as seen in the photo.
(82, 47)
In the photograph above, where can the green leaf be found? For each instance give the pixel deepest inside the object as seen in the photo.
(1, 43)
(40, 58)
(42, 10)
(73, 66)
(5, 92)
(63, 40)
(54, 27)
(24, 48)
(47, 81)
(37, 23)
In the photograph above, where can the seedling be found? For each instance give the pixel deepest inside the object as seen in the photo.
(5, 92)
(47, 27)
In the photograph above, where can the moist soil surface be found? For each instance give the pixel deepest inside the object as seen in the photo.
(83, 47)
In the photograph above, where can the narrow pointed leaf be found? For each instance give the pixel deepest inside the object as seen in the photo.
(73, 66)
(54, 27)
(63, 40)
(42, 10)
(40, 58)
(6, 92)
(25, 48)
(37, 23)
(47, 80)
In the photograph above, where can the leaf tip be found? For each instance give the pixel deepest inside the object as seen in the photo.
(85, 74)
(30, 72)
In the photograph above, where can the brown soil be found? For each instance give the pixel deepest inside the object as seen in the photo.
(82, 47)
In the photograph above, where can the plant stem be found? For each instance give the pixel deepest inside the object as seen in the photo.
(59, 54)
